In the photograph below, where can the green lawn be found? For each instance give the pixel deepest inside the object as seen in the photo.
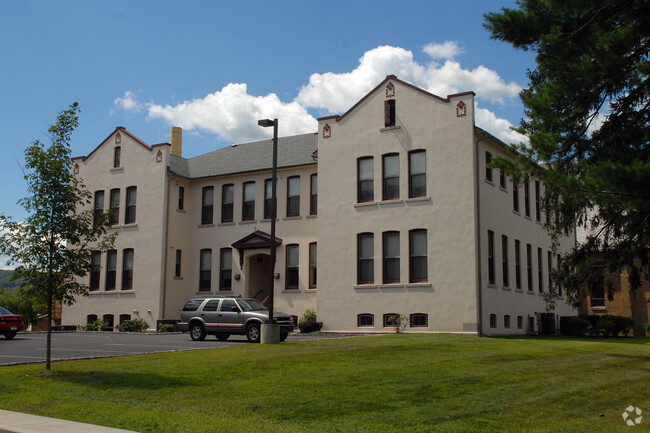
(401, 383)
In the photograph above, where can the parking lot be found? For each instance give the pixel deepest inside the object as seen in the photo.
(29, 347)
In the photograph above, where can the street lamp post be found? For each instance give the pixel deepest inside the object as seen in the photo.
(270, 330)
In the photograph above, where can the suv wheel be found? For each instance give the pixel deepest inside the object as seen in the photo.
(253, 332)
(283, 336)
(10, 334)
(197, 332)
(222, 337)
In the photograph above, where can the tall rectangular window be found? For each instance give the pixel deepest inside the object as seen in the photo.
(365, 175)
(227, 203)
(596, 284)
(529, 267)
(131, 199)
(391, 176)
(313, 197)
(488, 170)
(391, 264)
(115, 207)
(418, 262)
(207, 205)
(117, 156)
(502, 179)
(417, 173)
(313, 262)
(293, 196)
(127, 269)
(177, 267)
(205, 271)
(248, 203)
(268, 198)
(111, 270)
(504, 261)
(538, 212)
(527, 197)
(549, 267)
(557, 264)
(225, 270)
(181, 198)
(95, 271)
(365, 258)
(515, 197)
(491, 276)
(517, 264)
(293, 261)
(98, 206)
(390, 115)
(540, 279)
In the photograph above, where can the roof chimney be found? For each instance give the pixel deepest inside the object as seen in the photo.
(176, 138)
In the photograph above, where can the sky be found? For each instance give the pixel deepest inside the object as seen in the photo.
(216, 67)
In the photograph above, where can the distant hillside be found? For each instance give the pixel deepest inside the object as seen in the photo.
(5, 279)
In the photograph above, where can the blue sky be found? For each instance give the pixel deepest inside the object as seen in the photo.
(214, 67)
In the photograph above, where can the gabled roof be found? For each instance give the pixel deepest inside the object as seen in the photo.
(124, 131)
(404, 83)
(255, 156)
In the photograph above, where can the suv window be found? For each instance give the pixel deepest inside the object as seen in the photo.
(192, 305)
(227, 305)
(211, 305)
(251, 305)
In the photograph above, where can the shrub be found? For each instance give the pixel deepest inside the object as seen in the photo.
(399, 322)
(166, 327)
(606, 325)
(93, 326)
(577, 325)
(135, 325)
(308, 323)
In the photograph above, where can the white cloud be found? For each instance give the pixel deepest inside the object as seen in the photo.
(233, 113)
(500, 128)
(128, 102)
(446, 50)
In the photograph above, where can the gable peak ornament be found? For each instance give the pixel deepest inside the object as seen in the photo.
(327, 131)
(461, 109)
(390, 90)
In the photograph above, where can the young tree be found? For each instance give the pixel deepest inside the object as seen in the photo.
(587, 111)
(54, 245)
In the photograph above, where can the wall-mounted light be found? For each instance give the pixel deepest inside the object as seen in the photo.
(237, 277)
(276, 275)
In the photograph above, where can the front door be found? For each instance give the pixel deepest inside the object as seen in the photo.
(258, 276)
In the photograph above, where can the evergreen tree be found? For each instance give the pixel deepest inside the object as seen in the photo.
(54, 245)
(587, 111)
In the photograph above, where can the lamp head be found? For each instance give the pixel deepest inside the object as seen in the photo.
(266, 122)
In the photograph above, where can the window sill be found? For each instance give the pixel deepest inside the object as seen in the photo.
(116, 169)
(365, 286)
(312, 290)
(201, 226)
(391, 286)
(503, 188)
(178, 278)
(506, 288)
(530, 292)
(599, 309)
(416, 285)
(366, 204)
(244, 222)
(492, 286)
(268, 220)
(128, 226)
(311, 216)
(128, 291)
(390, 128)
(489, 182)
(291, 290)
(390, 202)
(291, 218)
(181, 210)
(519, 291)
(203, 292)
(226, 223)
(516, 212)
(417, 199)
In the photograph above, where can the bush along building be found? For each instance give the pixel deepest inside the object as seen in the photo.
(388, 210)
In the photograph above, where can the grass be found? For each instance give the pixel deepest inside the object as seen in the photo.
(405, 383)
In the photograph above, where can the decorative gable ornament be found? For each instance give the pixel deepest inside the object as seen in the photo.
(75, 168)
(159, 156)
(118, 137)
(327, 131)
(461, 109)
(390, 90)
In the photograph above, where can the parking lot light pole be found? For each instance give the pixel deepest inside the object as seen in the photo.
(270, 332)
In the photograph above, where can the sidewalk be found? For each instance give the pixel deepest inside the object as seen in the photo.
(15, 422)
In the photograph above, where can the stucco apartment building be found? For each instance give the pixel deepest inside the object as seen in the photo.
(387, 209)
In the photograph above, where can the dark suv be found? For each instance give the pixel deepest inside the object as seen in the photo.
(224, 317)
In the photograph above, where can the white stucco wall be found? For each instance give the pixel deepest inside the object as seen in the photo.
(447, 213)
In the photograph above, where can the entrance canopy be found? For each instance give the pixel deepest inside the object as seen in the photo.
(256, 240)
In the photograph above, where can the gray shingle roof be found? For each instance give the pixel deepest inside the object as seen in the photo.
(247, 157)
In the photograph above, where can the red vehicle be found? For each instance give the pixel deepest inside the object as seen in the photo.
(10, 323)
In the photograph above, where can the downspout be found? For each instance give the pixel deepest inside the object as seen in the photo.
(164, 248)
(477, 235)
